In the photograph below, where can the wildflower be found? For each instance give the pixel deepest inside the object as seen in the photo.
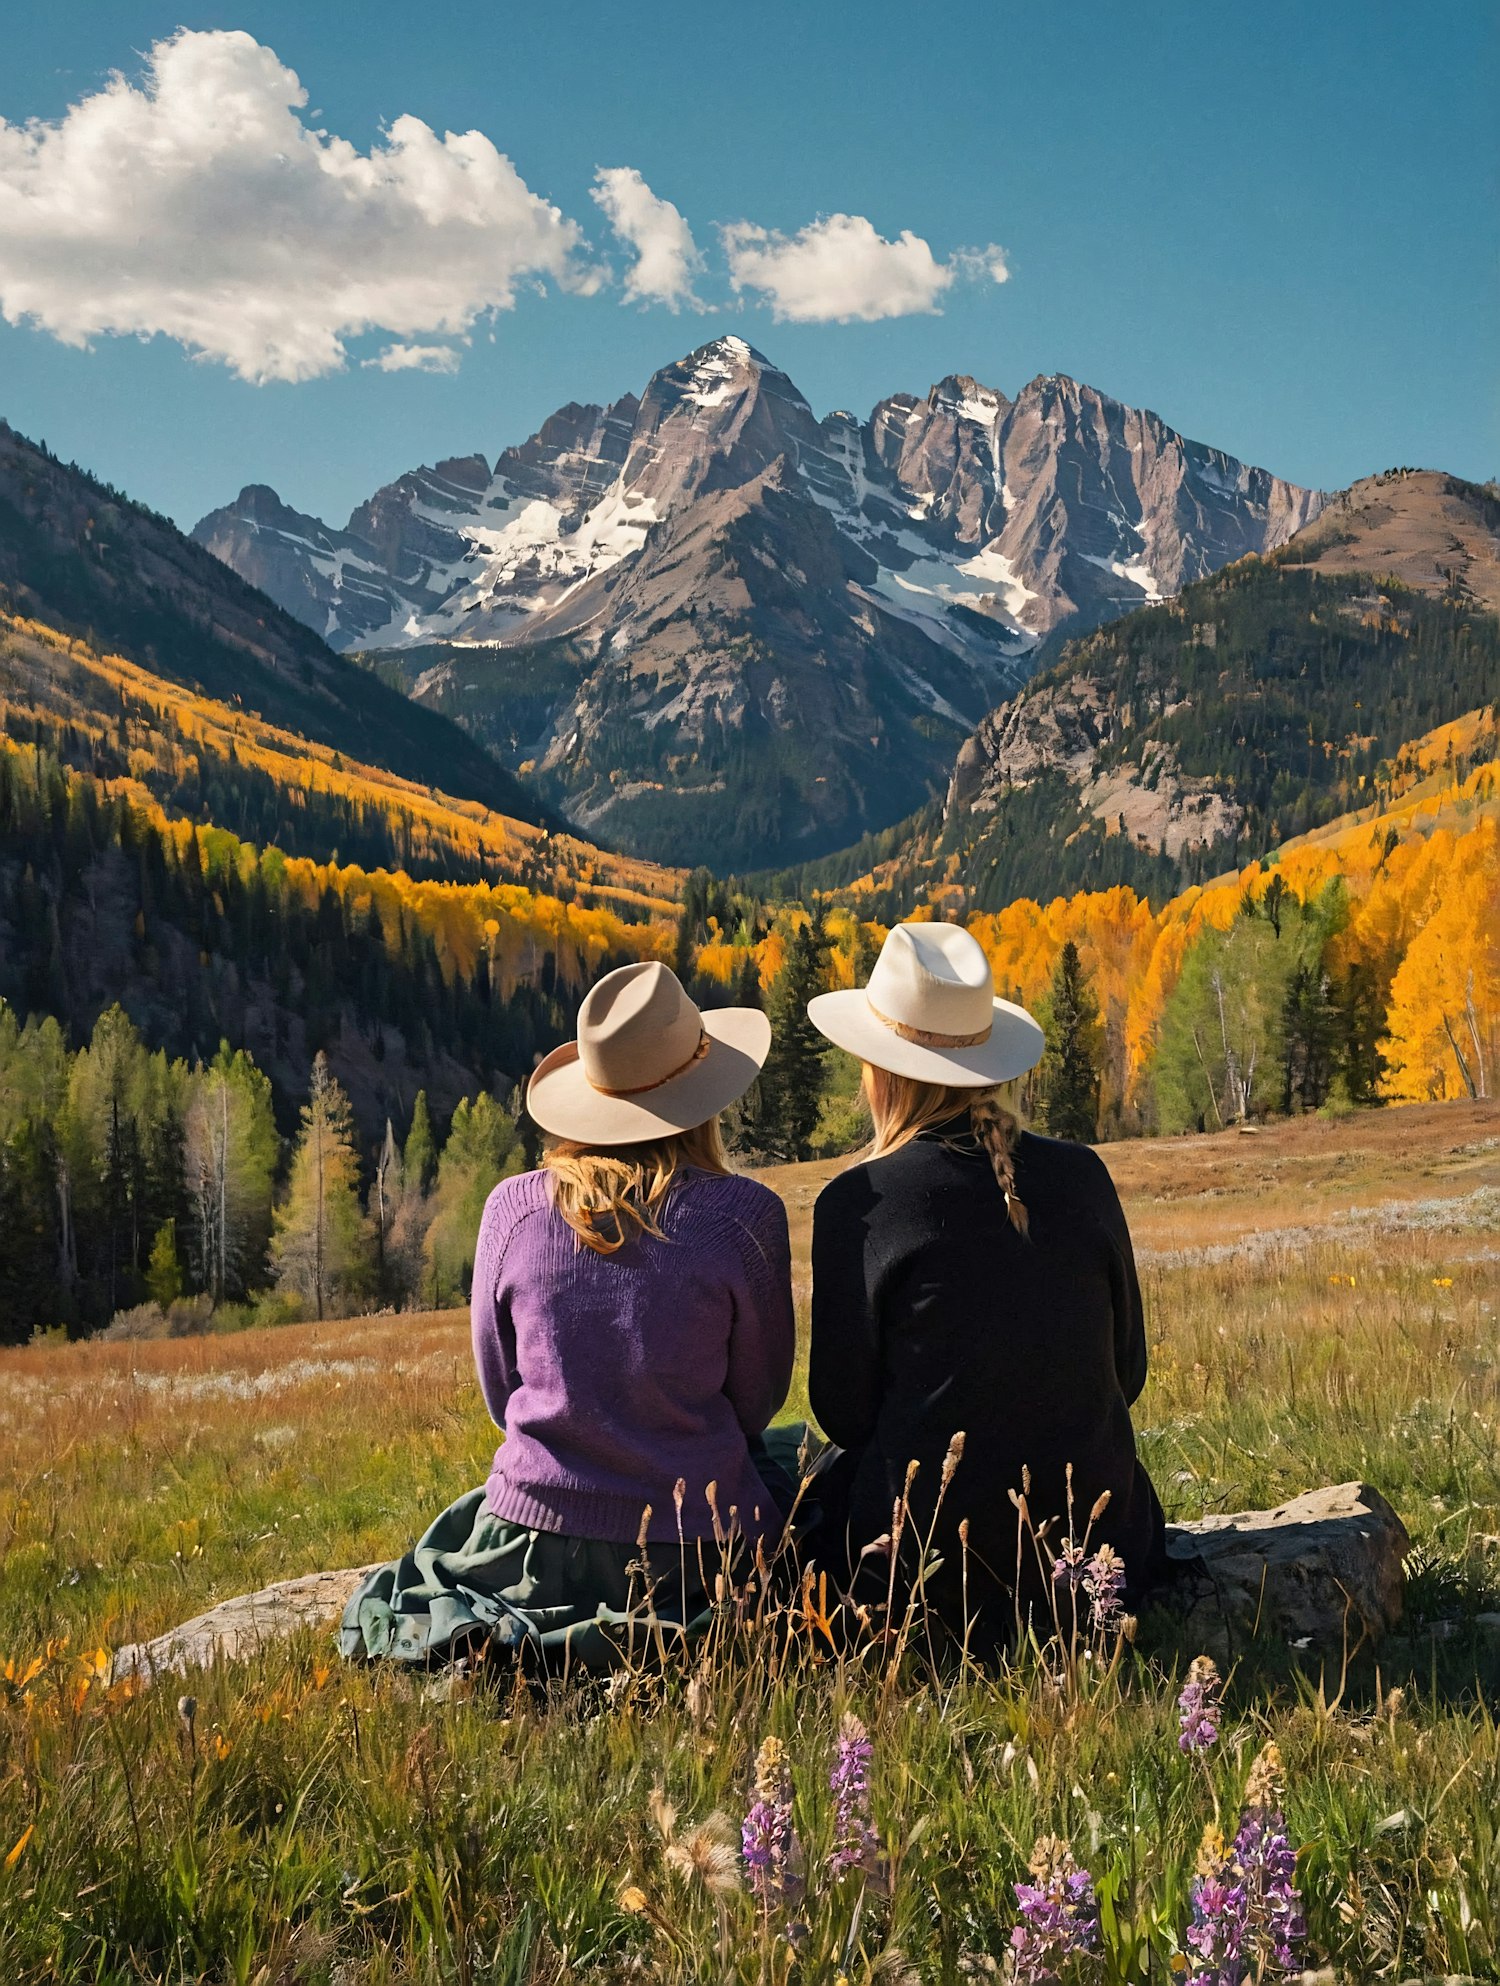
(1216, 1936)
(1442, 1282)
(855, 1843)
(1212, 1851)
(1263, 1786)
(1198, 1707)
(953, 1457)
(1067, 1567)
(1103, 1580)
(1267, 1863)
(1247, 1913)
(768, 1840)
(1059, 1915)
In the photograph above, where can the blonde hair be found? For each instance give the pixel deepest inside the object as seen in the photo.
(608, 1195)
(902, 1108)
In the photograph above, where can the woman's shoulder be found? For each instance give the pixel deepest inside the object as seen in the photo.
(732, 1196)
(519, 1194)
(1062, 1165)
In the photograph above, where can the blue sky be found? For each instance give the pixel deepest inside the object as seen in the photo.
(1273, 225)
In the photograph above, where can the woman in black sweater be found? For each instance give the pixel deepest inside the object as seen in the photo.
(971, 1278)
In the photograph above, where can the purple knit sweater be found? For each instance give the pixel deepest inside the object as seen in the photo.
(614, 1375)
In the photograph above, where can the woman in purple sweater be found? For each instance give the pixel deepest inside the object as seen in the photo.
(633, 1334)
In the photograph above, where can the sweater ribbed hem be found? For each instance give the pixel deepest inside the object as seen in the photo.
(604, 1515)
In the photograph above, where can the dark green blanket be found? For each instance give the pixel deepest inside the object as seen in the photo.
(475, 1584)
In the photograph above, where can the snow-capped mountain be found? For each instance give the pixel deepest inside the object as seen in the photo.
(720, 594)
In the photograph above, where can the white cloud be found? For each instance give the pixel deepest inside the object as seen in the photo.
(979, 263)
(201, 206)
(416, 358)
(839, 269)
(666, 256)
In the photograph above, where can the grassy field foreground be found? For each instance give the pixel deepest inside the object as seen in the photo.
(1321, 1302)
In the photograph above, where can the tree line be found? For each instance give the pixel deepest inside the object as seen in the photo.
(130, 1179)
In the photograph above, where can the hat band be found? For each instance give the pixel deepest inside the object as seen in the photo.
(705, 1042)
(927, 1037)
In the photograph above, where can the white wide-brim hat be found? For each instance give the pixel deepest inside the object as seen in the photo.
(930, 1012)
(646, 1063)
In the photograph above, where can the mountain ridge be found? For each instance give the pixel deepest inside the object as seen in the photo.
(91, 562)
(1241, 714)
(642, 551)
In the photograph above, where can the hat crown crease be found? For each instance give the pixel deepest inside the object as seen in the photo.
(639, 1031)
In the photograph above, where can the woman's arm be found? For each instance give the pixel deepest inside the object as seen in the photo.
(1125, 1292)
(844, 1368)
(493, 1334)
(763, 1334)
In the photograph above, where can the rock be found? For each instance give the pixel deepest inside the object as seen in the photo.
(241, 1627)
(1321, 1572)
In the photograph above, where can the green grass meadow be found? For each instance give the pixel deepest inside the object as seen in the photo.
(1322, 1304)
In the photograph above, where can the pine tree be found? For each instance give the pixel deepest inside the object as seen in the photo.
(1310, 1038)
(789, 1095)
(164, 1270)
(419, 1159)
(1069, 1078)
(321, 1245)
(483, 1148)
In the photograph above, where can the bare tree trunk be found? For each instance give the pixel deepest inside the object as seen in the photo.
(318, 1226)
(1471, 1014)
(223, 1250)
(1458, 1056)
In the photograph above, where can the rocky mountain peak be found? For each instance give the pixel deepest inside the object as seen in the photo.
(712, 420)
(750, 588)
(964, 398)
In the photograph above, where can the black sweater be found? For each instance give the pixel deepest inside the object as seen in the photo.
(931, 1314)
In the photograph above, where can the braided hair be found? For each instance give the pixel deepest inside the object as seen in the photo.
(997, 1131)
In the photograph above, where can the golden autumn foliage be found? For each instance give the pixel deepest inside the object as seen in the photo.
(170, 734)
(1421, 876)
(1443, 1021)
(1423, 916)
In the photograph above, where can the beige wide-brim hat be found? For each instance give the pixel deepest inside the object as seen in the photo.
(646, 1063)
(930, 1012)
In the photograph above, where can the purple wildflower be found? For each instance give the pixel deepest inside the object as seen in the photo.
(1247, 1913)
(1104, 1581)
(768, 1840)
(1267, 1864)
(1067, 1567)
(1198, 1707)
(855, 1844)
(1216, 1936)
(1059, 1916)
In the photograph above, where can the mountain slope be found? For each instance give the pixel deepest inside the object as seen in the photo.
(1253, 708)
(206, 762)
(707, 613)
(80, 557)
(1428, 530)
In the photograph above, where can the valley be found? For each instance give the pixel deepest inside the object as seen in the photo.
(1256, 817)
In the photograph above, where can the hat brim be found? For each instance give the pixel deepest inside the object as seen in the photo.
(1015, 1043)
(562, 1100)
